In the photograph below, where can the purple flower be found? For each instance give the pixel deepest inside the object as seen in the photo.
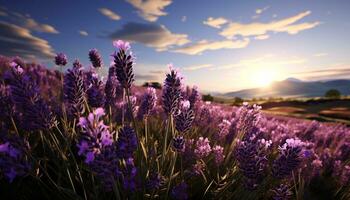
(203, 148)
(127, 142)
(61, 59)
(6, 104)
(123, 62)
(247, 118)
(289, 158)
(224, 129)
(106, 166)
(94, 135)
(74, 89)
(129, 175)
(179, 192)
(194, 97)
(95, 58)
(35, 113)
(252, 162)
(120, 44)
(179, 144)
(113, 89)
(148, 103)
(155, 181)
(14, 161)
(183, 121)
(218, 152)
(172, 92)
(282, 192)
(95, 92)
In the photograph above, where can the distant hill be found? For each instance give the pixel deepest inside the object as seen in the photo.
(292, 87)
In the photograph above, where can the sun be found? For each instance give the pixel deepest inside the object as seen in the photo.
(263, 76)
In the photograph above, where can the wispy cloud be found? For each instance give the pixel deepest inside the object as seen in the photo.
(83, 33)
(234, 29)
(109, 13)
(261, 37)
(150, 34)
(34, 25)
(16, 40)
(27, 22)
(150, 10)
(197, 67)
(326, 74)
(320, 54)
(215, 22)
(263, 61)
(261, 10)
(204, 45)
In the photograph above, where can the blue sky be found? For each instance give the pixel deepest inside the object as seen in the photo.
(218, 45)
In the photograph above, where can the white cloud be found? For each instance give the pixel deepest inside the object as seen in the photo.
(150, 10)
(16, 40)
(152, 35)
(27, 22)
(261, 10)
(266, 60)
(253, 29)
(83, 33)
(33, 25)
(204, 45)
(184, 18)
(215, 22)
(320, 54)
(197, 67)
(261, 37)
(109, 13)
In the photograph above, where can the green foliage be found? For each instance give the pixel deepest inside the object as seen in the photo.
(155, 85)
(207, 97)
(333, 93)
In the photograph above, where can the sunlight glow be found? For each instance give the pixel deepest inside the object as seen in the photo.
(264, 77)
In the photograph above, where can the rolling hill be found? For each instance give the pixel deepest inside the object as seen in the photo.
(292, 87)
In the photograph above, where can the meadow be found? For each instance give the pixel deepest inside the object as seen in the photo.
(73, 135)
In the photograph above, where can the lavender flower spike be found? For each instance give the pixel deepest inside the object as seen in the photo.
(123, 62)
(183, 121)
(61, 59)
(95, 58)
(148, 103)
(74, 89)
(172, 92)
(289, 158)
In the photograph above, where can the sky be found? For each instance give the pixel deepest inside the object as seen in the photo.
(219, 46)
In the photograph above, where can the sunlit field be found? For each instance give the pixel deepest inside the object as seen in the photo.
(116, 122)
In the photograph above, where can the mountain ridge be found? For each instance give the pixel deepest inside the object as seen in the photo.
(292, 87)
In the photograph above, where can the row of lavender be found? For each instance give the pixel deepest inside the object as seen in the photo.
(82, 137)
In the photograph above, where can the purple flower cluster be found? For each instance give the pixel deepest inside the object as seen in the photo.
(203, 148)
(95, 92)
(34, 112)
(95, 58)
(179, 192)
(61, 59)
(148, 103)
(95, 135)
(14, 161)
(252, 162)
(74, 89)
(289, 158)
(172, 92)
(184, 119)
(123, 62)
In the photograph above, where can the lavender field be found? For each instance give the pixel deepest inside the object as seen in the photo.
(74, 135)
